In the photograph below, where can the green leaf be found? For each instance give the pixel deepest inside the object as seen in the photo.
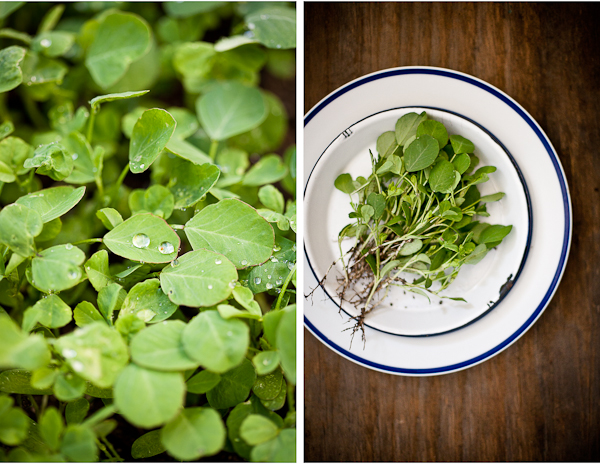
(410, 248)
(148, 302)
(68, 387)
(268, 387)
(189, 182)
(217, 344)
(194, 433)
(234, 387)
(144, 237)
(53, 43)
(148, 445)
(96, 352)
(203, 382)
(79, 444)
(86, 313)
(344, 183)
(160, 347)
(461, 144)
(84, 170)
(157, 200)
(6, 128)
(421, 153)
(271, 198)
(199, 278)
(279, 401)
(148, 398)
(39, 70)
(377, 202)
(109, 217)
(51, 160)
(110, 299)
(461, 163)
(491, 198)
(245, 298)
(52, 312)
(149, 137)
(442, 177)
(13, 153)
(14, 425)
(97, 271)
(53, 202)
(97, 101)
(57, 268)
(18, 226)
(51, 18)
(244, 237)
(187, 9)
(477, 254)
(187, 124)
(257, 429)
(43, 378)
(229, 109)
(121, 39)
(187, 151)
(435, 129)
(76, 411)
(494, 233)
(11, 74)
(406, 127)
(266, 362)
(280, 449)
(274, 27)
(6, 8)
(51, 427)
(286, 343)
(268, 170)
(19, 381)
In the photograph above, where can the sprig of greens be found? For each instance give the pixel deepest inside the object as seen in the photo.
(415, 213)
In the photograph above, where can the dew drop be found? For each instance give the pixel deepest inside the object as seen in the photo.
(69, 353)
(143, 165)
(77, 366)
(278, 282)
(140, 240)
(232, 284)
(68, 246)
(33, 78)
(218, 261)
(229, 333)
(290, 265)
(257, 280)
(166, 248)
(45, 43)
(269, 285)
(265, 362)
(269, 276)
(74, 156)
(244, 262)
(73, 274)
(174, 263)
(210, 287)
(274, 259)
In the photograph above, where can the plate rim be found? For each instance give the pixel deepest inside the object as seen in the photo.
(567, 207)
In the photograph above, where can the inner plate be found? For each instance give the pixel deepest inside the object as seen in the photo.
(482, 285)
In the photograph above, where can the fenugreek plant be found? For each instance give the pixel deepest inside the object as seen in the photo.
(414, 214)
(147, 232)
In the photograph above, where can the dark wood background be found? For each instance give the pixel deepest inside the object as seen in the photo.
(539, 400)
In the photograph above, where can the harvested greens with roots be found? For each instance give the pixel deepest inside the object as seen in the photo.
(414, 214)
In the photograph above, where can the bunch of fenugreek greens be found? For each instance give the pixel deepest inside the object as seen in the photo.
(414, 214)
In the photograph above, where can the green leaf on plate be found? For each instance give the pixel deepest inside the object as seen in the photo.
(121, 39)
(149, 137)
(194, 433)
(234, 387)
(199, 278)
(148, 302)
(18, 227)
(421, 153)
(269, 169)
(274, 27)
(57, 268)
(11, 74)
(96, 352)
(144, 237)
(494, 233)
(435, 129)
(244, 237)
(461, 144)
(160, 347)
(406, 127)
(442, 177)
(230, 108)
(217, 344)
(53, 202)
(148, 398)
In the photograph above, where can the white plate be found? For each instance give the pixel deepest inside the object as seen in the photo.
(341, 128)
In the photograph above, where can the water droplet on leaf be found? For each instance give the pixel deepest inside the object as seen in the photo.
(257, 280)
(141, 240)
(166, 248)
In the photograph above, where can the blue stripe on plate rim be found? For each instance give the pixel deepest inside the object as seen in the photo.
(529, 218)
(566, 204)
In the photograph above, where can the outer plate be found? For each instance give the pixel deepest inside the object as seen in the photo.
(535, 157)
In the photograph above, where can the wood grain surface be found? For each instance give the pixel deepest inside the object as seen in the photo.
(539, 400)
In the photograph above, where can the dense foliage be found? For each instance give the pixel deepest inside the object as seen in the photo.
(147, 231)
(415, 213)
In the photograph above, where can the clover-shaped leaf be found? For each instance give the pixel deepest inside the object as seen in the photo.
(57, 268)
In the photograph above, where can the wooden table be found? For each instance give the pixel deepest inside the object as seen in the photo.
(540, 398)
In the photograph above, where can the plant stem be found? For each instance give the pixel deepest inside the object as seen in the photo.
(90, 127)
(120, 180)
(89, 240)
(287, 281)
(213, 149)
(100, 415)
(111, 448)
(35, 405)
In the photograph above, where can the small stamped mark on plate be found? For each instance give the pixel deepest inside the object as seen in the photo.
(347, 133)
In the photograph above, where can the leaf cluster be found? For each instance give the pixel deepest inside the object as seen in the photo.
(416, 213)
(147, 232)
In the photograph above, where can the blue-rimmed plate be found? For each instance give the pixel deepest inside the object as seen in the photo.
(507, 291)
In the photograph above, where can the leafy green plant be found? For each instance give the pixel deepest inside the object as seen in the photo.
(415, 214)
(147, 231)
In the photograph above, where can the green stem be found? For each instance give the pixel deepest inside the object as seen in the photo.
(89, 240)
(120, 180)
(287, 281)
(100, 415)
(112, 449)
(213, 149)
(90, 127)
(34, 404)
(103, 448)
